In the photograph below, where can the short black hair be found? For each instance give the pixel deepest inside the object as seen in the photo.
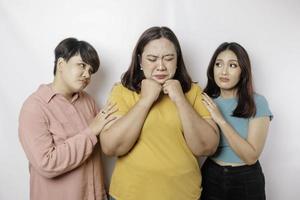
(70, 47)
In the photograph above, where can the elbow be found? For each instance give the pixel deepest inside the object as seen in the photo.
(206, 149)
(106, 144)
(108, 150)
(46, 173)
(111, 148)
(209, 150)
(112, 151)
(251, 160)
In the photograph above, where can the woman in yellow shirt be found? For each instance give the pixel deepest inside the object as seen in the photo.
(163, 125)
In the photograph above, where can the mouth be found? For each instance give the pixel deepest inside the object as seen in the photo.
(85, 82)
(160, 76)
(223, 79)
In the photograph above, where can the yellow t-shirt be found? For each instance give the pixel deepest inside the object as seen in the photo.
(160, 166)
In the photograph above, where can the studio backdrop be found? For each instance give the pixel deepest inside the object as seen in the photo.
(268, 29)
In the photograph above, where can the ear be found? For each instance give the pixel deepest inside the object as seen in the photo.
(60, 63)
(139, 56)
(140, 61)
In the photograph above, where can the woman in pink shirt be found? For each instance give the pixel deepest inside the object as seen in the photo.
(59, 126)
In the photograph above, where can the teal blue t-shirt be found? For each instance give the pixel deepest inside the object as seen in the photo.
(227, 106)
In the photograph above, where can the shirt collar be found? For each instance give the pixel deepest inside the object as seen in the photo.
(46, 92)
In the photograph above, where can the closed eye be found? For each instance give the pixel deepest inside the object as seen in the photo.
(169, 58)
(152, 59)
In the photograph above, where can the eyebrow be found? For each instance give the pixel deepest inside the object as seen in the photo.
(151, 55)
(229, 60)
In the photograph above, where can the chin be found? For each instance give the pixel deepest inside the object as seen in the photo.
(79, 89)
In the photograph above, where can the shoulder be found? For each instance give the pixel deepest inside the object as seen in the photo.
(260, 99)
(34, 100)
(195, 90)
(33, 106)
(119, 89)
(194, 93)
(262, 106)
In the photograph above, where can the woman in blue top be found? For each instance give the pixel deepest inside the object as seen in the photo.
(243, 117)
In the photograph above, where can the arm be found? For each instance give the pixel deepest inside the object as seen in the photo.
(201, 135)
(118, 139)
(48, 158)
(248, 149)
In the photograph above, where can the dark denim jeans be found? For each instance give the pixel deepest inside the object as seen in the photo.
(232, 183)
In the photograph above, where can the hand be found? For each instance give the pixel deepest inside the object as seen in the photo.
(173, 89)
(150, 90)
(213, 109)
(103, 118)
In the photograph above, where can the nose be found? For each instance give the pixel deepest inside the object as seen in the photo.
(161, 65)
(86, 73)
(225, 70)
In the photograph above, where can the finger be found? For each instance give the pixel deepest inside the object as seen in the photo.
(204, 101)
(208, 99)
(167, 81)
(110, 112)
(164, 85)
(110, 107)
(209, 108)
(107, 105)
(165, 90)
(112, 119)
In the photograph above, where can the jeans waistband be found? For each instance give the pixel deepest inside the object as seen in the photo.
(234, 168)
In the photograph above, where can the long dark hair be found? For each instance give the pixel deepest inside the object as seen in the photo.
(246, 106)
(133, 76)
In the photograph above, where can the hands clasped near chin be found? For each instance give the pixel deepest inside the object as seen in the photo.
(150, 89)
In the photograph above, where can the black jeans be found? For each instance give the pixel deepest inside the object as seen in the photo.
(232, 183)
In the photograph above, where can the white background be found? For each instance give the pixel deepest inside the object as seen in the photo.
(268, 29)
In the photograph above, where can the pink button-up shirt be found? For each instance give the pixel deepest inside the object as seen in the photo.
(64, 155)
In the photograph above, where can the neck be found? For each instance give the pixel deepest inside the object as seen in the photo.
(228, 93)
(59, 87)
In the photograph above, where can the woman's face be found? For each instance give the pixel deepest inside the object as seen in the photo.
(159, 60)
(227, 70)
(75, 74)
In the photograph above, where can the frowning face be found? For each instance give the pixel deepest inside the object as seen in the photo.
(158, 60)
(75, 74)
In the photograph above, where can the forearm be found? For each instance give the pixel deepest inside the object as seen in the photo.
(123, 134)
(200, 136)
(240, 146)
(53, 160)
